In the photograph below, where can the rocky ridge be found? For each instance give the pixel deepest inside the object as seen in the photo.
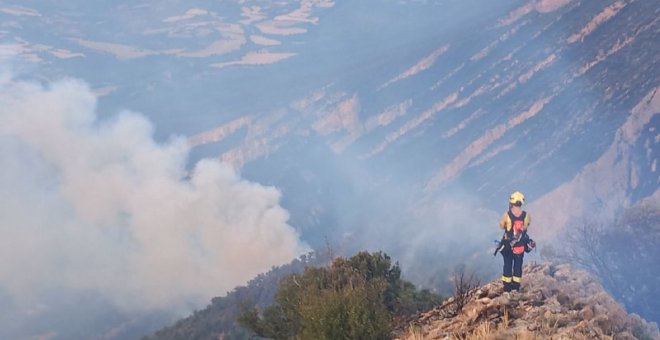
(555, 302)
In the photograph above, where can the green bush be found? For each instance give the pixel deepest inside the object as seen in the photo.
(354, 298)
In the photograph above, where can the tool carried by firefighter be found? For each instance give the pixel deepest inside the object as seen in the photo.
(529, 243)
(500, 244)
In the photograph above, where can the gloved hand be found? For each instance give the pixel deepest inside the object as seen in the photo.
(530, 245)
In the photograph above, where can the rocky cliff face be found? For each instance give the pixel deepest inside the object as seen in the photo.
(631, 157)
(555, 302)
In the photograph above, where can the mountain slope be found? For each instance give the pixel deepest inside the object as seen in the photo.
(219, 319)
(528, 98)
(624, 173)
(555, 302)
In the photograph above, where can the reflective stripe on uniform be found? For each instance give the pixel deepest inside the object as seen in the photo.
(517, 279)
(506, 279)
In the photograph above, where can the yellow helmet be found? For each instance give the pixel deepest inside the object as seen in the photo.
(517, 197)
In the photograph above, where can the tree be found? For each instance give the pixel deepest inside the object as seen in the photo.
(353, 298)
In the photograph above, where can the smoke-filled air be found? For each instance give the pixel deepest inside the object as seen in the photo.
(94, 204)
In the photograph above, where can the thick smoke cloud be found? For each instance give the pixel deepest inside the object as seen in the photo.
(97, 205)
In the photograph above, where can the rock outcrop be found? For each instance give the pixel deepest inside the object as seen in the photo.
(555, 302)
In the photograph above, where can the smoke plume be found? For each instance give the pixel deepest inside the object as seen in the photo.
(98, 205)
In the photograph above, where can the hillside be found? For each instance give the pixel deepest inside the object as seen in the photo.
(219, 318)
(333, 300)
(556, 299)
(556, 302)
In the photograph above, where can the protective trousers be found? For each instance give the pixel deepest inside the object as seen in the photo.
(512, 270)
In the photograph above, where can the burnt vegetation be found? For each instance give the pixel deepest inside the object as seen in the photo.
(464, 286)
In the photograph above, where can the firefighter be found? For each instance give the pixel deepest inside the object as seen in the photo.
(515, 223)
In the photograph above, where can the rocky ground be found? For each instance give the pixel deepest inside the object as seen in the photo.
(555, 302)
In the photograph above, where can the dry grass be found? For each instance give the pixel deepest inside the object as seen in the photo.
(483, 331)
(505, 330)
(415, 332)
(488, 331)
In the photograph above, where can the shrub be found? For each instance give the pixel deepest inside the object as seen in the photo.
(353, 298)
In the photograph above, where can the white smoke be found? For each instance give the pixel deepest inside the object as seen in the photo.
(97, 205)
